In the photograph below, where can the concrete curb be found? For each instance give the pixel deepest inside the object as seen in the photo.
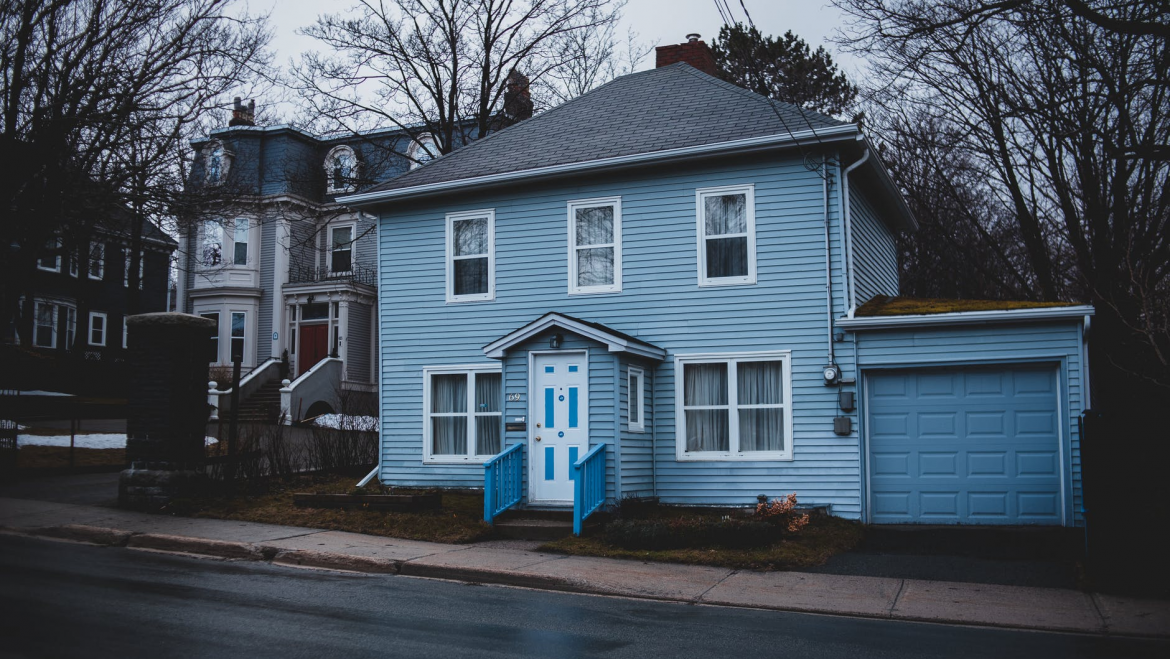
(330, 561)
(94, 535)
(498, 578)
(201, 546)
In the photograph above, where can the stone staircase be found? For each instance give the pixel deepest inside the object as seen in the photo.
(263, 406)
(541, 524)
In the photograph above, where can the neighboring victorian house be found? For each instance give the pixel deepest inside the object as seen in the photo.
(288, 274)
(673, 287)
(83, 314)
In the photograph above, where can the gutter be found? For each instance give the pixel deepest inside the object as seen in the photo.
(832, 134)
(1078, 311)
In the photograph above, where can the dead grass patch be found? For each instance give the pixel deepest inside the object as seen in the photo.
(459, 520)
(824, 537)
(57, 457)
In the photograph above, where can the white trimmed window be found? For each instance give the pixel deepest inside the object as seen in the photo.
(97, 328)
(216, 163)
(734, 406)
(471, 256)
(51, 261)
(240, 239)
(462, 419)
(341, 169)
(126, 270)
(341, 248)
(423, 150)
(213, 344)
(44, 324)
(595, 246)
(97, 260)
(210, 244)
(727, 235)
(637, 400)
(238, 336)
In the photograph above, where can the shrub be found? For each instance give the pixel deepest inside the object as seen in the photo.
(782, 512)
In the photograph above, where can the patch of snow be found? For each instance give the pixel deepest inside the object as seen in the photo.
(38, 392)
(9, 424)
(348, 422)
(90, 440)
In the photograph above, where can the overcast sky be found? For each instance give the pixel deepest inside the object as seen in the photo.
(665, 21)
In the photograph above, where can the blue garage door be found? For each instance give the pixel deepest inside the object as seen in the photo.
(965, 446)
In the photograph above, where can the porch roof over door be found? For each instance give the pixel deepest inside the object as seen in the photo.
(614, 340)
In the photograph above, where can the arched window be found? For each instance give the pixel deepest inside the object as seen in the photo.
(216, 162)
(341, 169)
(423, 150)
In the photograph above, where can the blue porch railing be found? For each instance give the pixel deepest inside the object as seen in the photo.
(503, 481)
(588, 486)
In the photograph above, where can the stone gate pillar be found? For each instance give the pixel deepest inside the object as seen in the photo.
(167, 407)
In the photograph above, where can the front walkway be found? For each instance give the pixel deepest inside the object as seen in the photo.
(508, 564)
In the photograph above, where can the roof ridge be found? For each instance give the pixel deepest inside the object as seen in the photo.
(719, 82)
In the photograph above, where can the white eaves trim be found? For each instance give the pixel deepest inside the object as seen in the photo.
(833, 133)
(613, 342)
(967, 317)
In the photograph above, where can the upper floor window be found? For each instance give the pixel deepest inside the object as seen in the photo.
(240, 238)
(727, 235)
(734, 407)
(97, 260)
(471, 256)
(216, 162)
(423, 150)
(97, 328)
(129, 264)
(341, 248)
(341, 169)
(44, 324)
(595, 246)
(215, 236)
(51, 260)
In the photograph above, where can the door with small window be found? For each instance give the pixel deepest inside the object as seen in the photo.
(560, 433)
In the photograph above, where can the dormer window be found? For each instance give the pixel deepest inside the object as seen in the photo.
(423, 150)
(216, 162)
(341, 169)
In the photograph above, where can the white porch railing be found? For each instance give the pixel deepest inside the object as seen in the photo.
(221, 399)
(320, 383)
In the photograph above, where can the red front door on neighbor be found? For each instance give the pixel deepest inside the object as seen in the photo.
(314, 346)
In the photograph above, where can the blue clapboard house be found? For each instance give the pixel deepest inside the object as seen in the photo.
(672, 287)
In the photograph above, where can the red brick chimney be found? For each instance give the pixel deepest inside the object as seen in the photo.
(243, 115)
(693, 52)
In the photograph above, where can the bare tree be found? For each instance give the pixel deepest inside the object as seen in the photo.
(98, 99)
(437, 67)
(1059, 109)
(589, 59)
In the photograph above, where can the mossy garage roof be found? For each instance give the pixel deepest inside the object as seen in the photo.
(882, 305)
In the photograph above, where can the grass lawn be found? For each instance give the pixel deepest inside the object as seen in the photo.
(824, 536)
(460, 519)
(53, 457)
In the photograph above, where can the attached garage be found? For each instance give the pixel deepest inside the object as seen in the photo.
(974, 445)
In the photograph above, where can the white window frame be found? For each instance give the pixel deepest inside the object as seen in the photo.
(100, 248)
(733, 454)
(418, 145)
(225, 161)
(235, 232)
(56, 245)
(490, 295)
(105, 328)
(329, 245)
(749, 191)
(245, 353)
(470, 370)
(616, 204)
(125, 332)
(638, 375)
(330, 158)
(37, 305)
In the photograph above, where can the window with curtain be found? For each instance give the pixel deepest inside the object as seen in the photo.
(464, 414)
(595, 255)
(240, 239)
(470, 246)
(341, 249)
(735, 408)
(97, 328)
(239, 329)
(637, 400)
(44, 325)
(213, 346)
(97, 260)
(727, 236)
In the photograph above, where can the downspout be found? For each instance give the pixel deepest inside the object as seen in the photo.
(1086, 381)
(378, 312)
(828, 264)
(848, 215)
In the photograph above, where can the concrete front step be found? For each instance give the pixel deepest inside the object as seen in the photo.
(533, 529)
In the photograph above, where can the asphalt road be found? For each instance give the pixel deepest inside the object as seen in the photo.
(66, 600)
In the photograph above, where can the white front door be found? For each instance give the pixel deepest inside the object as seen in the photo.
(560, 415)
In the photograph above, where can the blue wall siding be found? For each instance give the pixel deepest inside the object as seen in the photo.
(661, 303)
(637, 447)
(1034, 342)
(875, 254)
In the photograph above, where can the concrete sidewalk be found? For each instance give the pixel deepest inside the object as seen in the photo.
(1047, 609)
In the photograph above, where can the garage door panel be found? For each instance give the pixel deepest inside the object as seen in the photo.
(974, 446)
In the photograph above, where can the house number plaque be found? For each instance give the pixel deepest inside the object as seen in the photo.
(513, 398)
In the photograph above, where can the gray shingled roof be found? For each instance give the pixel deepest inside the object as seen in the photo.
(671, 107)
